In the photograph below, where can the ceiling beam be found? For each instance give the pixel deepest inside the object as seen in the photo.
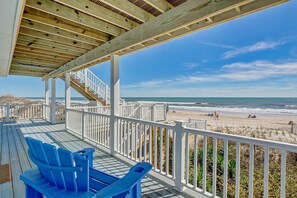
(43, 52)
(129, 8)
(160, 5)
(44, 31)
(56, 22)
(76, 16)
(58, 39)
(184, 19)
(100, 12)
(33, 62)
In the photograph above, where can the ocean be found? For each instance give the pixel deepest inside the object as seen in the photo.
(285, 106)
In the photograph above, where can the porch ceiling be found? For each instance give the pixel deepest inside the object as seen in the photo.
(63, 35)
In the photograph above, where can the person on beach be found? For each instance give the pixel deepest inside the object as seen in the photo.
(216, 115)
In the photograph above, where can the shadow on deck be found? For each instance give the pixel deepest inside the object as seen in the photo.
(13, 150)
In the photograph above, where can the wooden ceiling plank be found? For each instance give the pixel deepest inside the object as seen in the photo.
(25, 73)
(100, 12)
(76, 16)
(45, 47)
(33, 40)
(39, 60)
(31, 62)
(191, 12)
(58, 39)
(46, 52)
(16, 64)
(160, 5)
(30, 68)
(68, 37)
(23, 55)
(28, 53)
(130, 9)
(82, 33)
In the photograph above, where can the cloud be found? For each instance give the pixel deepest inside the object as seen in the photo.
(216, 45)
(259, 46)
(239, 72)
(190, 65)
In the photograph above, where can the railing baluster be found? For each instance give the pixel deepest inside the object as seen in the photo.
(155, 147)
(225, 186)
(151, 144)
(128, 139)
(167, 151)
(237, 179)
(266, 171)
(161, 149)
(136, 141)
(133, 154)
(195, 161)
(251, 171)
(283, 173)
(145, 143)
(125, 138)
(140, 126)
(214, 168)
(187, 159)
(204, 163)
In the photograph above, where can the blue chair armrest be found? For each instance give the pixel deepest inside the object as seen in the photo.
(126, 183)
(87, 153)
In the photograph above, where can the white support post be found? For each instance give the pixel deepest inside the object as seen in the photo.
(7, 116)
(67, 97)
(153, 113)
(179, 156)
(53, 102)
(114, 100)
(84, 124)
(46, 100)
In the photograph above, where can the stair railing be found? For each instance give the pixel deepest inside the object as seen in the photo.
(89, 80)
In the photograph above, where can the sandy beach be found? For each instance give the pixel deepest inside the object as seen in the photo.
(265, 126)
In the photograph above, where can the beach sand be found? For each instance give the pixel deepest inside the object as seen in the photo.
(264, 126)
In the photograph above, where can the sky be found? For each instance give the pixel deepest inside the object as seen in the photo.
(253, 56)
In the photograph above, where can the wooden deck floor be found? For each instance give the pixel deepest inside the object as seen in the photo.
(13, 150)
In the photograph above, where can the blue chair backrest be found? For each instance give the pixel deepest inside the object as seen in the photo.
(60, 167)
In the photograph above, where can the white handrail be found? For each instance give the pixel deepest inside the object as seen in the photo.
(191, 158)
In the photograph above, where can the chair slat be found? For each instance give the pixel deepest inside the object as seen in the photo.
(66, 159)
(37, 148)
(82, 176)
(53, 159)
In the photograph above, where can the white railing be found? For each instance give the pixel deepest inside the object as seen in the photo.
(94, 109)
(92, 126)
(145, 111)
(60, 113)
(2, 112)
(146, 141)
(205, 163)
(46, 112)
(89, 80)
(23, 111)
(197, 124)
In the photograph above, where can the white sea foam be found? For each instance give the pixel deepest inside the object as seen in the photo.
(236, 110)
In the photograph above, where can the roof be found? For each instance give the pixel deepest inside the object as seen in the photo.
(64, 35)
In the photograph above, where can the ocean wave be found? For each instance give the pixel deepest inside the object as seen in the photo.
(236, 110)
(291, 106)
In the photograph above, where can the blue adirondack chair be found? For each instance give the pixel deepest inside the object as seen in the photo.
(61, 173)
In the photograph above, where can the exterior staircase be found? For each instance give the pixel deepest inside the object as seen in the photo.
(90, 86)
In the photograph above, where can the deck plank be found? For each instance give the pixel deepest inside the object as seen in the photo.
(6, 188)
(16, 147)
